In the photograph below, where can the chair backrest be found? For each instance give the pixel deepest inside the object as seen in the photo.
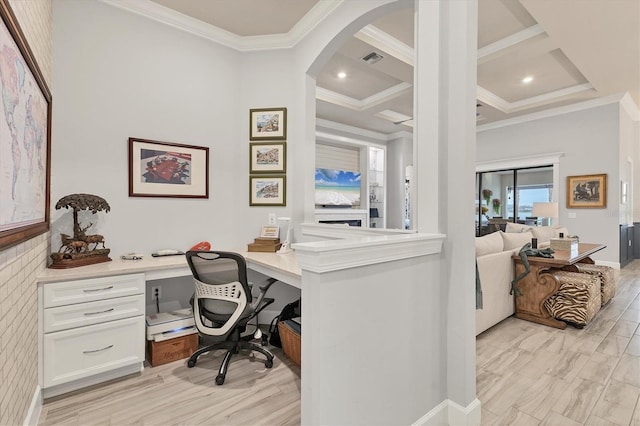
(221, 289)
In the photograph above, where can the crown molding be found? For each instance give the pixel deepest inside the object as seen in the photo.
(198, 28)
(366, 103)
(630, 107)
(327, 124)
(498, 103)
(580, 106)
(381, 40)
(507, 42)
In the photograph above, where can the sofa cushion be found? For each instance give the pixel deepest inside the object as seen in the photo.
(490, 243)
(516, 227)
(544, 233)
(513, 240)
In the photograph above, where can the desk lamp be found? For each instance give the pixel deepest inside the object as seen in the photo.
(286, 244)
(548, 210)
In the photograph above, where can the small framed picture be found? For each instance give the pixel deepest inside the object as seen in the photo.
(268, 157)
(587, 191)
(267, 124)
(267, 190)
(162, 169)
(270, 231)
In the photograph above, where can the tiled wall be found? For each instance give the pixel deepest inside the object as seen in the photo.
(35, 20)
(20, 264)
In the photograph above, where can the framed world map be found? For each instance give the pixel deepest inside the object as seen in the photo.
(25, 137)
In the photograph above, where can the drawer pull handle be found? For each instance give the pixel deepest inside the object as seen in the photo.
(97, 313)
(97, 289)
(97, 350)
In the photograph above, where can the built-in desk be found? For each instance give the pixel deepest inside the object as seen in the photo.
(91, 319)
(283, 267)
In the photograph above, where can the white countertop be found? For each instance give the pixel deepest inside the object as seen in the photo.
(281, 266)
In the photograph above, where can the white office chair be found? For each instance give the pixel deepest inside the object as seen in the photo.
(222, 305)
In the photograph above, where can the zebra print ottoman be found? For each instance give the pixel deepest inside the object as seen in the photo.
(577, 300)
(608, 284)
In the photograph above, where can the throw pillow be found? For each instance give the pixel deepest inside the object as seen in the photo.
(490, 243)
(544, 233)
(516, 227)
(515, 240)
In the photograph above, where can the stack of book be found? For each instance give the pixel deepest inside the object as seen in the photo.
(269, 245)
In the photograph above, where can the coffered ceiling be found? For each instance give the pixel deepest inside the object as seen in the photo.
(573, 50)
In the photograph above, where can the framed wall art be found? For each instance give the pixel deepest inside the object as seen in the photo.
(268, 124)
(163, 169)
(268, 157)
(267, 190)
(587, 191)
(25, 132)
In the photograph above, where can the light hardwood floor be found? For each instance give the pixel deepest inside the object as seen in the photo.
(527, 374)
(174, 394)
(531, 374)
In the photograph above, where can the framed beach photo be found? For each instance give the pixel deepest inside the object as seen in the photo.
(163, 169)
(25, 137)
(268, 157)
(268, 124)
(267, 190)
(587, 191)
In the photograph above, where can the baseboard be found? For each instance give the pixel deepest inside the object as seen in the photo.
(35, 408)
(451, 413)
(469, 415)
(614, 265)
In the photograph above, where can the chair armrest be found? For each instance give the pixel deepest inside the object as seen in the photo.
(258, 304)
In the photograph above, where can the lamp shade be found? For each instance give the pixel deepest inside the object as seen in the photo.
(545, 209)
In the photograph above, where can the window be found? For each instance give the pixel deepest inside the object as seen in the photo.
(501, 193)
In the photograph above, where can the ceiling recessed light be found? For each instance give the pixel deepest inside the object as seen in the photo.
(342, 74)
(528, 79)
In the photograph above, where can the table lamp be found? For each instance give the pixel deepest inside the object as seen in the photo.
(548, 210)
(286, 244)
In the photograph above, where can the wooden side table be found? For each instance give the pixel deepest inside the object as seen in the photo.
(538, 285)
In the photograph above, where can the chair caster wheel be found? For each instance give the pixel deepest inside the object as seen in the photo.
(191, 363)
(264, 340)
(219, 379)
(268, 363)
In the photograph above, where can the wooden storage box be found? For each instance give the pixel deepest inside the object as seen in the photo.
(290, 339)
(172, 350)
(564, 244)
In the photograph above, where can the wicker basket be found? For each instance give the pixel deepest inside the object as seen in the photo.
(290, 342)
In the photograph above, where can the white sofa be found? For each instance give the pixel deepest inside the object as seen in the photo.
(495, 267)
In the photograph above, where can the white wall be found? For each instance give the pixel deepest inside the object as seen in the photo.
(118, 75)
(589, 140)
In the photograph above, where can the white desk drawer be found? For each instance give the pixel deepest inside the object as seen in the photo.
(81, 314)
(81, 352)
(87, 290)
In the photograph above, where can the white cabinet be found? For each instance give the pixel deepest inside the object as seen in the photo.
(90, 330)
